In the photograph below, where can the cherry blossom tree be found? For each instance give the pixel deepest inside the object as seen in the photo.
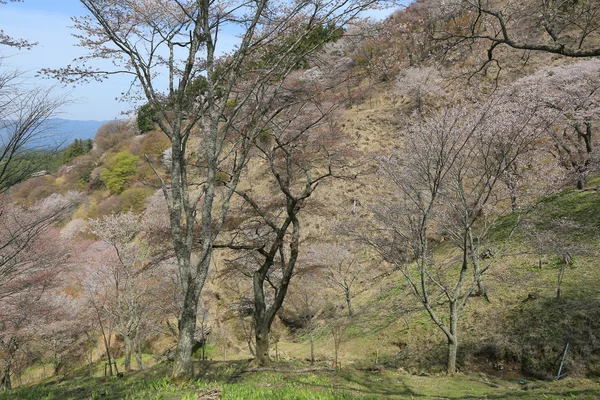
(570, 96)
(61, 330)
(225, 103)
(446, 179)
(23, 230)
(126, 282)
(26, 303)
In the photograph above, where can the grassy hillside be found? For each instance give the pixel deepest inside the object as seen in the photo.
(542, 281)
(233, 381)
(523, 329)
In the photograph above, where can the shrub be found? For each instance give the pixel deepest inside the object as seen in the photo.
(35, 189)
(135, 199)
(118, 169)
(106, 207)
(113, 133)
(221, 178)
(77, 148)
(154, 144)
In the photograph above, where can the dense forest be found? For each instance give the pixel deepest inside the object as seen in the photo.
(361, 201)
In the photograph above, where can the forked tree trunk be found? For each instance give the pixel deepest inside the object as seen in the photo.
(473, 250)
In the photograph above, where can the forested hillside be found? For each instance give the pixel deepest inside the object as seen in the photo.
(413, 196)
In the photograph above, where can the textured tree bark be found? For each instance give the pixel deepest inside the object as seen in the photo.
(138, 353)
(182, 368)
(262, 345)
(128, 349)
(312, 348)
(452, 352)
(5, 382)
(349, 301)
(452, 338)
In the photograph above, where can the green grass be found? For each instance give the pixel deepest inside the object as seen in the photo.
(230, 380)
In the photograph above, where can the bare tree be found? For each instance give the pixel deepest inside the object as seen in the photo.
(446, 178)
(225, 103)
(126, 280)
(299, 150)
(565, 27)
(550, 240)
(341, 269)
(24, 125)
(307, 300)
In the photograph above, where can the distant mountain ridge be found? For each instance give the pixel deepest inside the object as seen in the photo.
(68, 129)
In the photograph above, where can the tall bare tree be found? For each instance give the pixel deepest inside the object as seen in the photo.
(298, 149)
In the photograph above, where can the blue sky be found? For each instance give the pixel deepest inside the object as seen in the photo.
(47, 22)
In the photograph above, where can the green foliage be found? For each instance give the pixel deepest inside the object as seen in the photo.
(264, 137)
(197, 87)
(313, 41)
(118, 169)
(231, 103)
(146, 117)
(77, 148)
(316, 39)
(221, 178)
(24, 164)
(135, 199)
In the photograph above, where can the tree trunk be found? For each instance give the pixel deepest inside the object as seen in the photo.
(473, 250)
(312, 349)
(452, 339)
(561, 273)
(128, 349)
(182, 367)
(5, 382)
(349, 301)
(56, 360)
(262, 344)
(452, 351)
(138, 353)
